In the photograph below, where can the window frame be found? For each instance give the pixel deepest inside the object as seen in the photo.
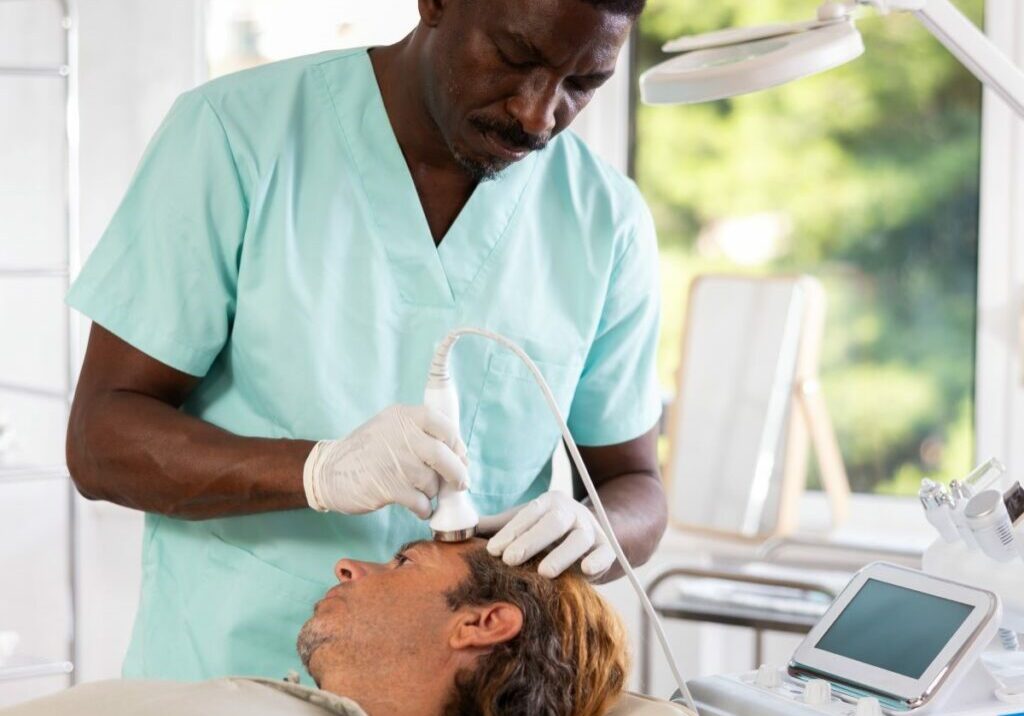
(999, 364)
(999, 338)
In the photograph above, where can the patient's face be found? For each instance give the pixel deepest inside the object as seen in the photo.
(384, 616)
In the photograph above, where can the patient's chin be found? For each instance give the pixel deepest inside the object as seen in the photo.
(312, 636)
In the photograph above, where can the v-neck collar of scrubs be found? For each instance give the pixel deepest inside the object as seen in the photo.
(428, 274)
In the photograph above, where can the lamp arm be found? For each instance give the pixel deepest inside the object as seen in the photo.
(968, 44)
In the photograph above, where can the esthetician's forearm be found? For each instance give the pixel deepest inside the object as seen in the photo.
(128, 443)
(638, 512)
(629, 485)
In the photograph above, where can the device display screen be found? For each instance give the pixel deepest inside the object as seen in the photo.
(894, 628)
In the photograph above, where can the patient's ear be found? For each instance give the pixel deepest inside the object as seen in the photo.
(486, 625)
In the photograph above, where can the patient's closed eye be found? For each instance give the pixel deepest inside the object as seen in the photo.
(401, 558)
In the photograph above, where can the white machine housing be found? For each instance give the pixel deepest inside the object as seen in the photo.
(955, 683)
(746, 695)
(857, 679)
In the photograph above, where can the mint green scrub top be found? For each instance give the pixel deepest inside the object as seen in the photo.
(272, 242)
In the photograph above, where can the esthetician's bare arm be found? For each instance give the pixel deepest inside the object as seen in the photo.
(629, 484)
(129, 443)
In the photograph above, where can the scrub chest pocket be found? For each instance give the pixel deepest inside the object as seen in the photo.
(514, 433)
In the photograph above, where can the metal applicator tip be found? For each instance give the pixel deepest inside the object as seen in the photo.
(454, 535)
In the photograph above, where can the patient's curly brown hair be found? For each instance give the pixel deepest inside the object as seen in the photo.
(569, 659)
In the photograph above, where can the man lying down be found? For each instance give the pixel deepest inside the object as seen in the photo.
(440, 630)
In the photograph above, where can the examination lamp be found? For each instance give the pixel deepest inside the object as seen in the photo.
(736, 61)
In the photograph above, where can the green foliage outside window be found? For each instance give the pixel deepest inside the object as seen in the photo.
(866, 177)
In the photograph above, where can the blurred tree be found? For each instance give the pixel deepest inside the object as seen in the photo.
(874, 167)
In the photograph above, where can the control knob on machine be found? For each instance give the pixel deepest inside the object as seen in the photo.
(818, 692)
(768, 677)
(868, 706)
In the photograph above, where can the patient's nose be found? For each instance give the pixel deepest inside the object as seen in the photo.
(349, 570)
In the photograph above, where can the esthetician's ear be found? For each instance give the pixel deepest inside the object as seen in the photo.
(431, 11)
(484, 626)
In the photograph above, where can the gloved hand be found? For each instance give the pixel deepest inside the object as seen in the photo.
(399, 456)
(525, 530)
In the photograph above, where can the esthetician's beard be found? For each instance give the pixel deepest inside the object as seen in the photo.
(510, 132)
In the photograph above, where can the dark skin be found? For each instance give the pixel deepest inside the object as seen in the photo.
(525, 69)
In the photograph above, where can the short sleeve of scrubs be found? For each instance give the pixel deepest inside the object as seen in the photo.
(163, 277)
(618, 397)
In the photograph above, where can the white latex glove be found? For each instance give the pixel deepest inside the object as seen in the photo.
(528, 529)
(399, 456)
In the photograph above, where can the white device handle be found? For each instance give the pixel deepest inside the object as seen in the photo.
(439, 372)
(455, 518)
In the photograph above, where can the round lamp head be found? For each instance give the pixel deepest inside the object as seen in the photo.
(749, 61)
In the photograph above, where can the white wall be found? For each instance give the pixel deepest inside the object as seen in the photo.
(135, 58)
(34, 555)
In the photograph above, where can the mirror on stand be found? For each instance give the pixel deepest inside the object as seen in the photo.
(748, 407)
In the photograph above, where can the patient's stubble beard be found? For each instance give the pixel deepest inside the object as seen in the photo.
(361, 658)
(311, 637)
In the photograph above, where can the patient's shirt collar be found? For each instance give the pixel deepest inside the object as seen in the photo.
(331, 703)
